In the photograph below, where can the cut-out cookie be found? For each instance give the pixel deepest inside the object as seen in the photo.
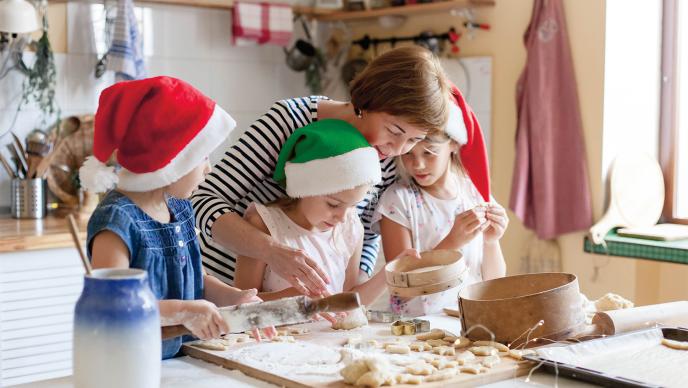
(444, 350)
(461, 343)
(406, 378)
(445, 374)
(398, 349)
(437, 342)
(465, 357)
(483, 350)
(420, 368)
(432, 334)
(376, 379)
(678, 345)
(517, 354)
(496, 345)
(444, 364)
(474, 369)
(490, 361)
(420, 346)
(283, 338)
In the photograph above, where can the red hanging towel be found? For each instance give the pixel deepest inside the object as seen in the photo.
(550, 191)
(261, 23)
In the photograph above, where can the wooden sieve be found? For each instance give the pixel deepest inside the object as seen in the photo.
(436, 271)
(510, 306)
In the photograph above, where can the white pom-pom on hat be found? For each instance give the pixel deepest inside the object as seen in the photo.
(97, 177)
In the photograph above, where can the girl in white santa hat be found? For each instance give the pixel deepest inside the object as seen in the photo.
(444, 202)
(161, 131)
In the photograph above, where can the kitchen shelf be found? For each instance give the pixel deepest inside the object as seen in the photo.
(405, 10)
(665, 251)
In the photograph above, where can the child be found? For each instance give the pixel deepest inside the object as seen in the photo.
(327, 167)
(437, 206)
(162, 131)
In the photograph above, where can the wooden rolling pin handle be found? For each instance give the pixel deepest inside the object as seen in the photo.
(344, 301)
(174, 331)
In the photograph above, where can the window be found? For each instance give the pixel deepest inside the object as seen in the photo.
(674, 110)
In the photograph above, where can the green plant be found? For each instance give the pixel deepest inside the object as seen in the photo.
(41, 79)
(314, 72)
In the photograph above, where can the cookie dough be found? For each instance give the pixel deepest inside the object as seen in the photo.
(612, 302)
(517, 354)
(355, 318)
(444, 350)
(398, 349)
(461, 343)
(432, 334)
(445, 374)
(500, 347)
(490, 361)
(483, 350)
(420, 368)
(420, 346)
(465, 357)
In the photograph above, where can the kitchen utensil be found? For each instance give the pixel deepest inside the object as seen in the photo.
(286, 311)
(74, 230)
(636, 195)
(21, 152)
(37, 146)
(21, 171)
(302, 54)
(436, 271)
(7, 167)
(71, 152)
(511, 306)
(636, 318)
(28, 199)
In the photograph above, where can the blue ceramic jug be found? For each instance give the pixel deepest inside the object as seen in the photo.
(117, 331)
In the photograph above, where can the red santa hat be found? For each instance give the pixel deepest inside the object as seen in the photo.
(463, 127)
(160, 128)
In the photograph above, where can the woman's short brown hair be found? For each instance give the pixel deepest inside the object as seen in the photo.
(406, 82)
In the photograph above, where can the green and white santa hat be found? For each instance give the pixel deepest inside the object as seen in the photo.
(326, 157)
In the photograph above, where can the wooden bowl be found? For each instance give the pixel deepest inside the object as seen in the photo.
(512, 305)
(436, 271)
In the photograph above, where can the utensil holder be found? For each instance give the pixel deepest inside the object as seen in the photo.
(28, 198)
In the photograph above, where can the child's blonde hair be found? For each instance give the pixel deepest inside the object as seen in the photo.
(406, 82)
(433, 138)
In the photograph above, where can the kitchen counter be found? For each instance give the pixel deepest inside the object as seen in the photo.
(48, 233)
(186, 372)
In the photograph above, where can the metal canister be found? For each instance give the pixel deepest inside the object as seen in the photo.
(28, 198)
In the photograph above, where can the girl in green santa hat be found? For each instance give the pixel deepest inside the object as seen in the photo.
(327, 168)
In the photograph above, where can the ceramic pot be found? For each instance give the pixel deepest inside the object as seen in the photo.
(117, 331)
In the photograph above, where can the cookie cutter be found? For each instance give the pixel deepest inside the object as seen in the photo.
(422, 325)
(382, 316)
(403, 328)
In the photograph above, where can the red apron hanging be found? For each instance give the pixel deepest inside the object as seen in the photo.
(550, 191)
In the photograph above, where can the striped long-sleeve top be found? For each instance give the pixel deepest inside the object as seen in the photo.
(244, 175)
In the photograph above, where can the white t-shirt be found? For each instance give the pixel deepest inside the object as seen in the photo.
(430, 219)
(330, 249)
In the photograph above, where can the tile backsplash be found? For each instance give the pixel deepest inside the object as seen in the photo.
(193, 44)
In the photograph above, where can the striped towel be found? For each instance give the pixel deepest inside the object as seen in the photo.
(262, 23)
(125, 56)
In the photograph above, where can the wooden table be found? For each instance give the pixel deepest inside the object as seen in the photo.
(51, 232)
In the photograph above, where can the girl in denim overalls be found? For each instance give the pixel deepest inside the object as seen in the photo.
(161, 131)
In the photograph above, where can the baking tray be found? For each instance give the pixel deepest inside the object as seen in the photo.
(617, 360)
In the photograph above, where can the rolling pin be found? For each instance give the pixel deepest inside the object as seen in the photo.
(636, 318)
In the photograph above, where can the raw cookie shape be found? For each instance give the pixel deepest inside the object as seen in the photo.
(437, 342)
(406, 378)
(517, 354)
(445, 374)
(420, 346)
(442, 363)
(355, 318)
(612, 301)
(474, 369)
(461, 342)
(213, 344)
(483, 350)
(376, 379)
(673, 344)
(432, 334)
(499, 346)
(444, 350)
(398, 349)
(464, 357)
(490, 361)
(283, 338)
(420, 368)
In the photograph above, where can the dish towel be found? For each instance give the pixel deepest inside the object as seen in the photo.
(125, 56)
(262, 23)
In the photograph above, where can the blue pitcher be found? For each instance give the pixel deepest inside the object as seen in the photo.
(117, 331)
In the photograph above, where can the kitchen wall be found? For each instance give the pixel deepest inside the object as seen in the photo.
(642, 281)
(190, 43)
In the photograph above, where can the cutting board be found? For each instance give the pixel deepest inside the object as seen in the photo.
(322, 335)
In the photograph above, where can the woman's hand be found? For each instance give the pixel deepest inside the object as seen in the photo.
(298, 269)
(203, 319)
(468, 224)
(498, 222)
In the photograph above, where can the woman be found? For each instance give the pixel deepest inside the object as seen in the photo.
(398, 99)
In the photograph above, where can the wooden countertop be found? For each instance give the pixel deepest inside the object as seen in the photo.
(47, 233)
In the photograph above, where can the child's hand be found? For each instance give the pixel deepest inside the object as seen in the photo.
(468, 224)
(203, 319)
(498, 221)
